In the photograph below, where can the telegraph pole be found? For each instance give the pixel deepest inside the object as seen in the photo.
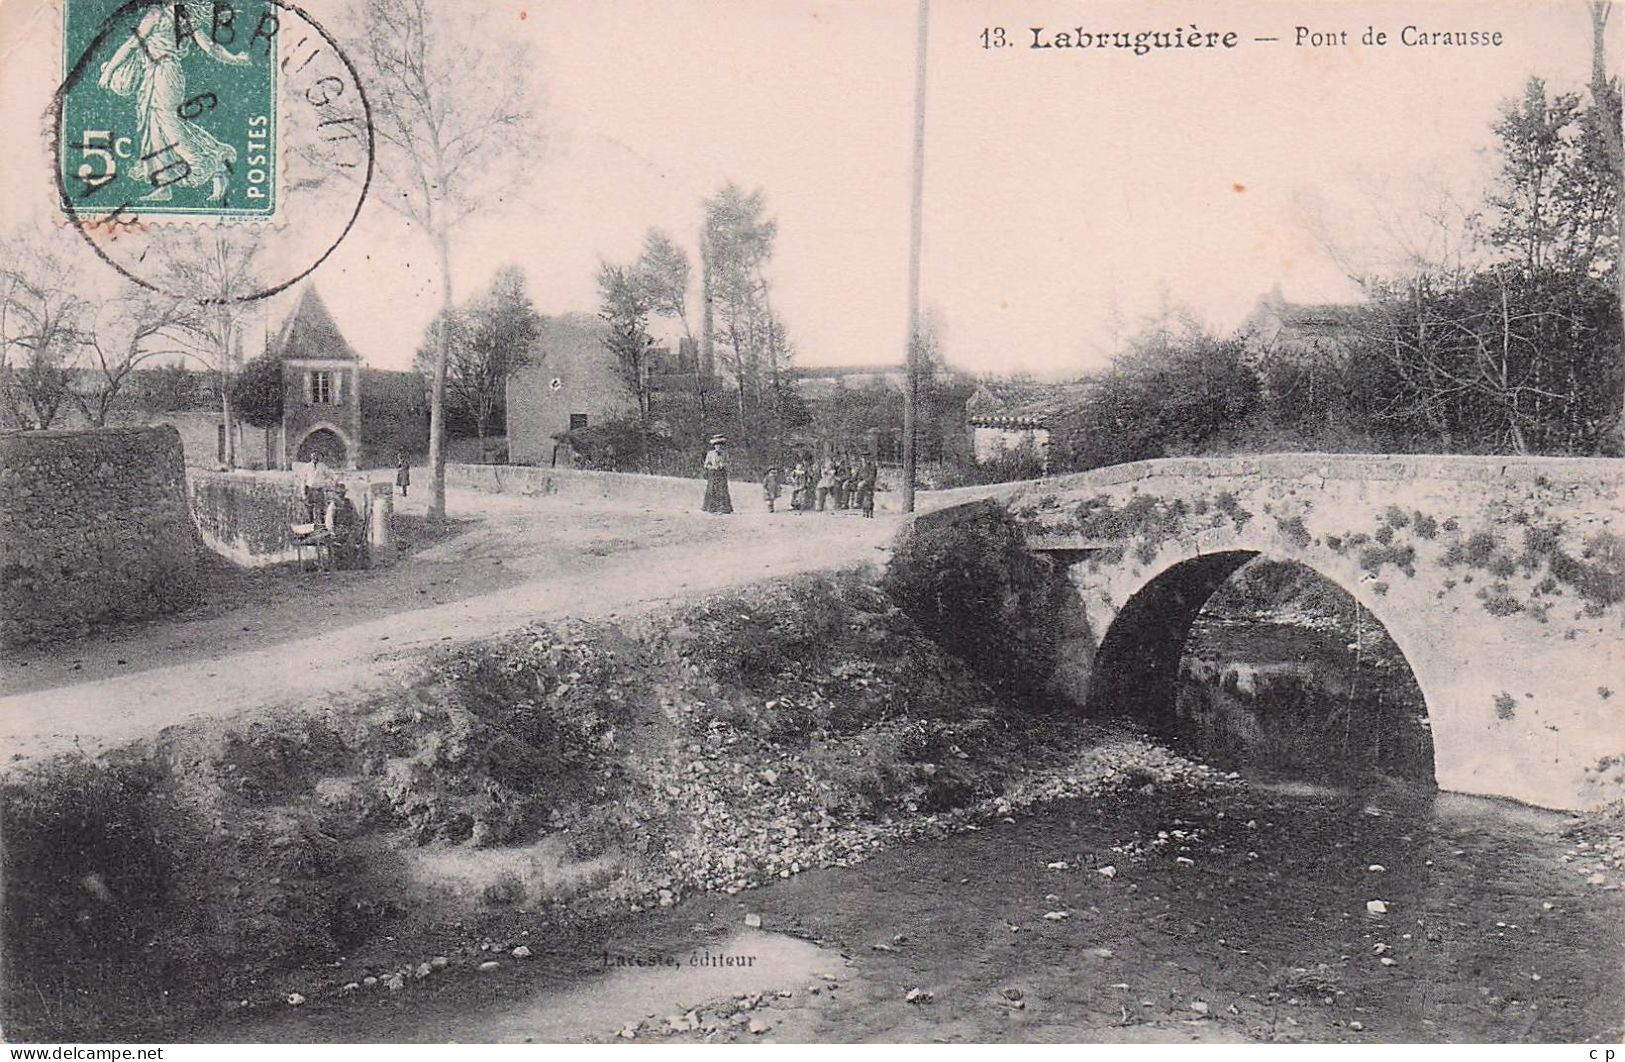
(916, 209)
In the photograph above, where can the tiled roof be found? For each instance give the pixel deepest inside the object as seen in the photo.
(310, 332)
(1033, 406)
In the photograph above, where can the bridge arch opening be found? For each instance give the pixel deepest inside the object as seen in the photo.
(1264, 665)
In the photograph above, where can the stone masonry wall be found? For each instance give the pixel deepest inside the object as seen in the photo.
(93, 529)
(630, 488)
(248, 517)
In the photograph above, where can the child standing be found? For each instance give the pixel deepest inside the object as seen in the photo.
(770, 487)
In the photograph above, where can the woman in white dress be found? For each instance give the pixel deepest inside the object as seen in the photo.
(175, 149)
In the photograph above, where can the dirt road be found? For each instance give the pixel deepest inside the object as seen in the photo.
(281, 637)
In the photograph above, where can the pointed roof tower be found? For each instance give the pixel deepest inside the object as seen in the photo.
(310, 332)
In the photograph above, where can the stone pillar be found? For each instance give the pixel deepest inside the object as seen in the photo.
(381, 529)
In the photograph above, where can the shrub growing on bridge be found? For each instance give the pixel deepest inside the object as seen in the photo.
(976, 590)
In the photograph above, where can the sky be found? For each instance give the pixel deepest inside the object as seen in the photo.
(1068, 192)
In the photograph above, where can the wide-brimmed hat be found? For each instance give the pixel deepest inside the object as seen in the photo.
(718, 440)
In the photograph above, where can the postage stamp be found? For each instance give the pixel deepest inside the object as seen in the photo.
(170, 106)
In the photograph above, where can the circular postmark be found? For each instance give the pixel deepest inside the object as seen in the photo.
(213, 150)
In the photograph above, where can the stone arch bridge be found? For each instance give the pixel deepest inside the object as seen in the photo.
(1501, 580)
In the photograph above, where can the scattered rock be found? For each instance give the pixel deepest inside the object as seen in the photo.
(395, 983)
(295, 999)
(918, 996)
(1012, 993)
(521, 952)
(1057, 916)
(1376, 907)
(753, 920)
(489, 964)
(1199, 1007)
(1377, 868)
(757, 1026)
(1107, 872)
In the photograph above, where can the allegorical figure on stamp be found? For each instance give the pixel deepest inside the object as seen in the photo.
(174, 149)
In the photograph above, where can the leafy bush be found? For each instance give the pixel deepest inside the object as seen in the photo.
(976, 589)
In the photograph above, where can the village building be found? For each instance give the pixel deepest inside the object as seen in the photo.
(332, 404)
(572, 382)
(1004, 417)
(1298, 331)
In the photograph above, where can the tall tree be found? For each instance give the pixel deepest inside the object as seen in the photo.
(666, 272)
(503, 328)
(1607, 114)
(450, 104)
(625, 301)
(220, 269)
(738, 245)
(257, 394)
(1553, 206)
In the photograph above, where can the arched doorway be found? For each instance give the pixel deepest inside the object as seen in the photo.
(1256, 663)
(324, 443)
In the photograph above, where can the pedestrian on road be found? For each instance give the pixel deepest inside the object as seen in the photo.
(866, 487)
(716, 478)
(801, 481)
(770, 488)
(826, 483)
(403, 473)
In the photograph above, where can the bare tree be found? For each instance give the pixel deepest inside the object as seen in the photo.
(453, 123)
(217, 270)
(123, 334)
(41, 311)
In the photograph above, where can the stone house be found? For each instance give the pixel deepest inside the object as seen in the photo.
(1005, 416)
(1299, 331)
(332, 404)
(571, 383)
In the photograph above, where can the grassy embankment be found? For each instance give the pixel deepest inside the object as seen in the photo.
(561, 774)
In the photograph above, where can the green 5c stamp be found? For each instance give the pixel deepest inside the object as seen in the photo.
(169, 108)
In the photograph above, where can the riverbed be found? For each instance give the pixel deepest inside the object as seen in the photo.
(1286, 912)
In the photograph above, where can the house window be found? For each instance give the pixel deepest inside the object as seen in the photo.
(323, 387)
(578, 421)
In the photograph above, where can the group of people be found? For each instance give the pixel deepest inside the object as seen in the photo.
(329, 510)
(845, 482)
(842, 482)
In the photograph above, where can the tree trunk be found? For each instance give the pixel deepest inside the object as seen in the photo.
(437, 391)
